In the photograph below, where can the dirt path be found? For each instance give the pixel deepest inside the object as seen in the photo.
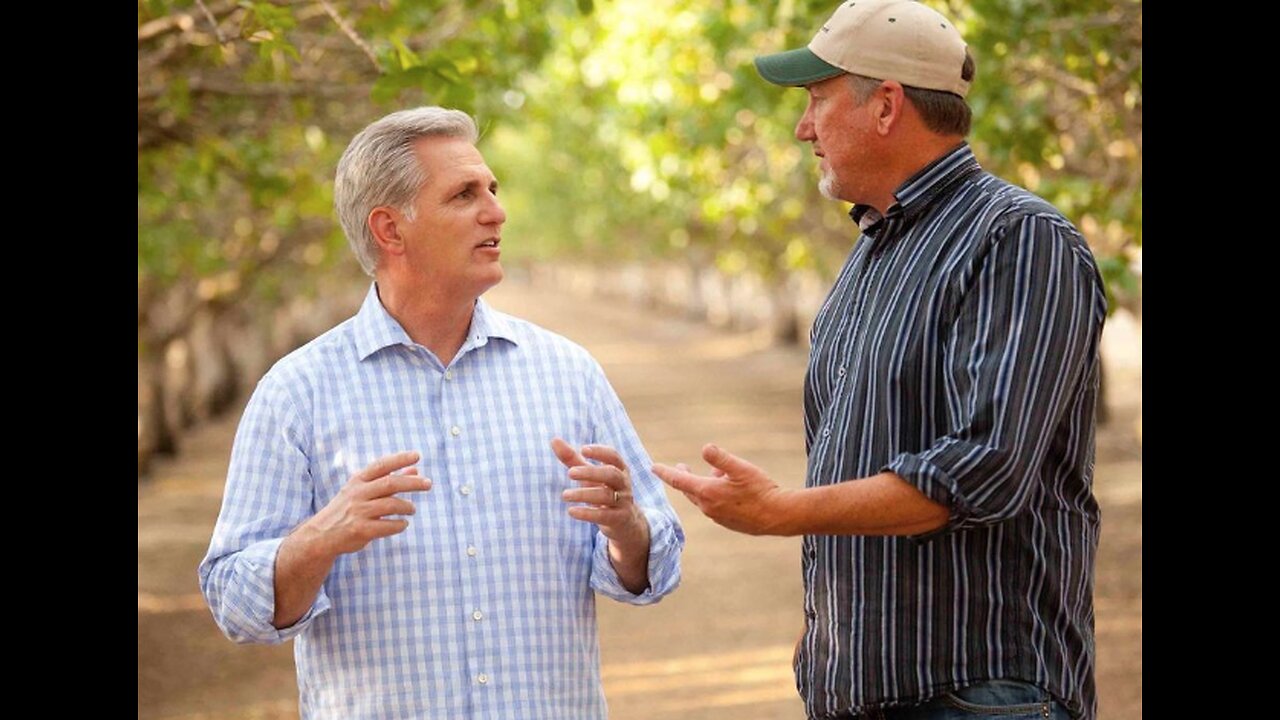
(720, 647)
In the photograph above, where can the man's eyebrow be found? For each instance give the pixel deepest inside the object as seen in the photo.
(463, 184)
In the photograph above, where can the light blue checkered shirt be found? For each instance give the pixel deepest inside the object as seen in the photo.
(485, 606)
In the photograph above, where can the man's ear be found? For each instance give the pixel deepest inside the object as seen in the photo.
(893, 103)
(384, 223)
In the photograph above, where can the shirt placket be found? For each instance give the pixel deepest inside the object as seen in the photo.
(471, 544)
(845, 344)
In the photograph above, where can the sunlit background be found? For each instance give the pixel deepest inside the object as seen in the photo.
(654, 191)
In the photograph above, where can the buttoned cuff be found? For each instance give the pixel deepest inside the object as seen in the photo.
(248, 606)
(665, 544)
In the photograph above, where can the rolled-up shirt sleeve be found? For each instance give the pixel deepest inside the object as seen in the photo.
(1025, 337)
(268, 493)
(613, 427)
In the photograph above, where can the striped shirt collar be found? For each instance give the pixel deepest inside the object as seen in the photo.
(920, 190)
(375, 329)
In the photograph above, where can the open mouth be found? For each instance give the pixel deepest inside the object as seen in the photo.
(489, 243)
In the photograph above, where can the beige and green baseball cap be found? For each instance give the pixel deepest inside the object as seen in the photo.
(884, 39)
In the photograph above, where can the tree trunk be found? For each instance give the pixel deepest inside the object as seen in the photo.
(786, 315)
(216, 379)
(155, 435)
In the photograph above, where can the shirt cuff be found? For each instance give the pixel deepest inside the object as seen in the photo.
(247, 611)
(665, 544)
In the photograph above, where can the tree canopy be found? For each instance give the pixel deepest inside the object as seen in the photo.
(620, 129)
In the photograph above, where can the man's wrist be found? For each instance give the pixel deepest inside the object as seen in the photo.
(786, 512)
(635, 536)
(310, 545)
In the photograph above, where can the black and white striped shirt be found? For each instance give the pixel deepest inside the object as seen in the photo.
(958, 349)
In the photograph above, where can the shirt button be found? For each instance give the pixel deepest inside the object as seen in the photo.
(465, 489)
(448, 374)
(477, 616)
(482, 678)
(840, 372)
(826, 432)
(471, 551)
(455, 431)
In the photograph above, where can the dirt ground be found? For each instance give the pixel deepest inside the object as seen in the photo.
(718, 648)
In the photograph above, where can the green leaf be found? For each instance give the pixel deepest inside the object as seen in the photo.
(460, 97)
(389, 86)
(444, 68)
(406, 57)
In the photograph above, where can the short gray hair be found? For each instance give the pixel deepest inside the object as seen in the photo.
(379, 168)
(942, 112)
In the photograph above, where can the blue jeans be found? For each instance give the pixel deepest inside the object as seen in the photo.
(987, 700)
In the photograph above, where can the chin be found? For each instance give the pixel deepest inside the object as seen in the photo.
(829, 187)
(492, 277)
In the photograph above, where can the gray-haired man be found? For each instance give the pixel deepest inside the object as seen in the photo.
(475, 599)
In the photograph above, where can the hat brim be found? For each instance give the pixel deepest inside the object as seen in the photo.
(794, 68)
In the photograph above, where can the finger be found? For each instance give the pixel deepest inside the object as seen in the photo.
(604, 454)
(684, 481)
(384, 528)
(597, 515)
(389, 506)
(683, 468)
(566, 454)
(391, 484)
(386, 465)
(596, 496)
(726, 462)
(602, 474)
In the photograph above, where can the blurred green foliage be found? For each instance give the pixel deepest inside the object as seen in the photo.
(244, 108)
(620, 129)
(648, 131)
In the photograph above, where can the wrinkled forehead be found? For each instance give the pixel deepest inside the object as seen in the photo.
(450, 158)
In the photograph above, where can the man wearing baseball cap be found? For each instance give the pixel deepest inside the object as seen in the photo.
(948, 517)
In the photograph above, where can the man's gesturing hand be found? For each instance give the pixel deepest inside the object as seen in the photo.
(737, 495)
(607, 490)
(351, 520)
(356, 515)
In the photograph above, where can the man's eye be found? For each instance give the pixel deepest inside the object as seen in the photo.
(464, 194)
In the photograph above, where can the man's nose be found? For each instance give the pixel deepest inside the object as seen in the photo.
(492, 213)
(804, 128)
